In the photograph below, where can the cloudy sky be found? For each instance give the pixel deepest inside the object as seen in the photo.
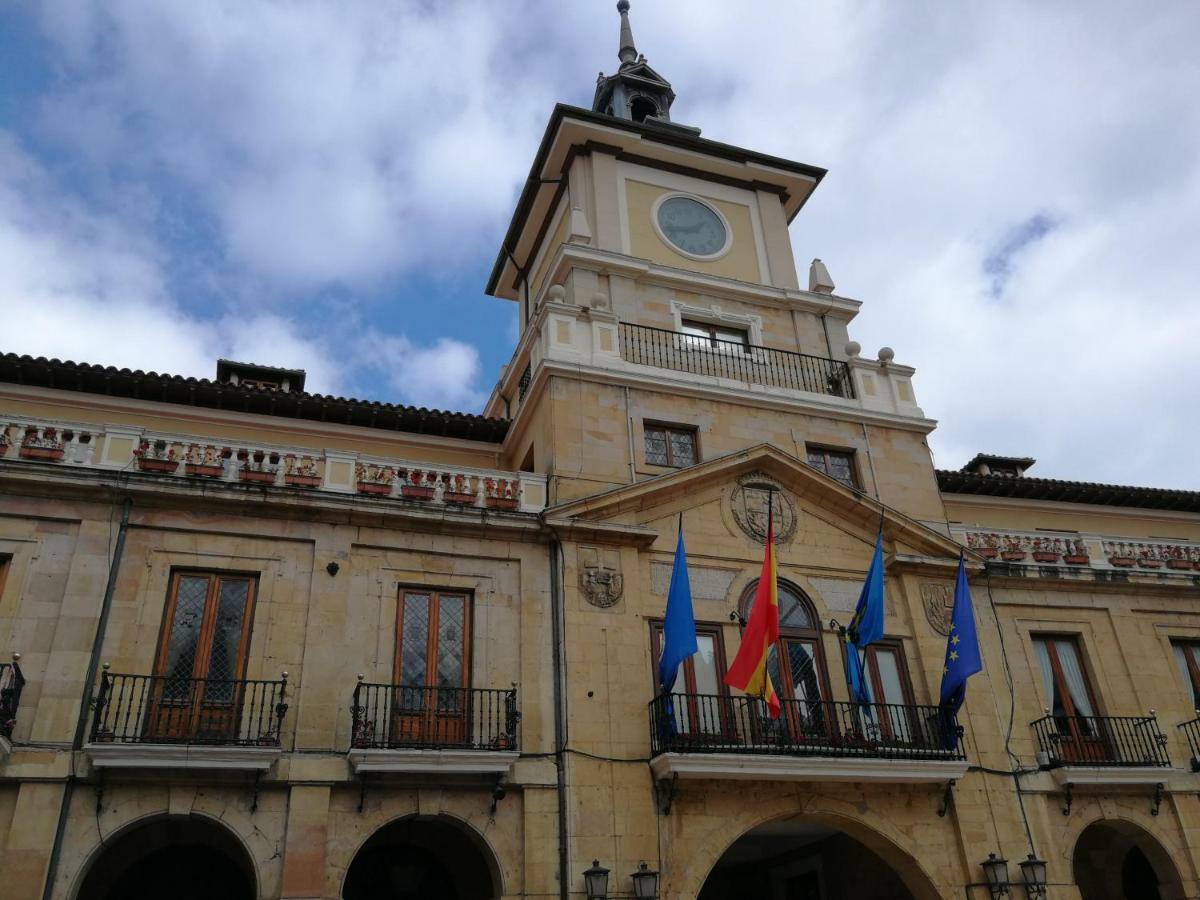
(1014, 191)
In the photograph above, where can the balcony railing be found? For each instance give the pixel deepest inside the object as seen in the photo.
(164, 709)
(1102, 741)
(708, 723)
(1191, 730)
(647, 346)
(11, 684)
(392, 716)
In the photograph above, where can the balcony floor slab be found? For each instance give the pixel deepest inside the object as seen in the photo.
(446, 762)
(1108, 776)
(759, 767)
(181, 756)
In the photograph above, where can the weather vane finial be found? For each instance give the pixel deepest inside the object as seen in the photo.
(628, 52)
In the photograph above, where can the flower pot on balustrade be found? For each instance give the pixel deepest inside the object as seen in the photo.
(305, 481)
(987, 552)
(1122, 562)
(416, 492)
(1045, 556)
(204, 471)
(51, 453)
(1012, 555)
(501, 502)
(459, 497)
(159, 466)
(256, 477)
(1077, 559)
(375, 488)
(1150, 563)
(1180, 565)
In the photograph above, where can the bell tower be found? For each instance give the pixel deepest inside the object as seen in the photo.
(635, 92)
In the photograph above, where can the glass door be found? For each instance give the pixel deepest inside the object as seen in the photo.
(197, 689)
(1072, 705)
(432, 704)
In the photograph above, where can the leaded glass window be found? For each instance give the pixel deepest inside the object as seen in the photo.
(670, 446)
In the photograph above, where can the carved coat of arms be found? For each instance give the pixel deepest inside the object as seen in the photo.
(600, 578)
(938, 601)
(749, 504)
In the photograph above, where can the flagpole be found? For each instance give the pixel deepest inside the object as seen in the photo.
(762, 688)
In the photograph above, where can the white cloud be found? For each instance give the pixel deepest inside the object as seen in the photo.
(441, 376)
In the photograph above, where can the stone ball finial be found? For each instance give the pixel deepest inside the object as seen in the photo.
(886, 355)
(599, 300)
(16, 657)
(622, 6)
(853, 349)
(557, 293)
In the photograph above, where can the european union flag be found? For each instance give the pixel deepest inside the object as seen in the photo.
(679, 627)
(962, 646)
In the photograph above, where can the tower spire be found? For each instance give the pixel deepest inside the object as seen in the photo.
(627, 52)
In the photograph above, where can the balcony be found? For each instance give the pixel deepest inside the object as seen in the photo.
(714, 736)
(1104, 750)
(1051, 554)
(162, 721)
(12, 682)
(419, 729)
(747, 363)
(188, 461)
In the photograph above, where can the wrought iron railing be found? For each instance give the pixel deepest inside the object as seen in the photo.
(164, 709)
(710, 723)
(648, 346)
(1191, 730)
(11, 684)
(1102, 740)
(386, 716)
(523, 384)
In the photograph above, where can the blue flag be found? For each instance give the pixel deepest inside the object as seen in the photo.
(867, 625)
(679, 628)
(962, 646)
(854, 675)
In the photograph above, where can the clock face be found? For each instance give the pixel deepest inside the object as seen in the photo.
(692, 226)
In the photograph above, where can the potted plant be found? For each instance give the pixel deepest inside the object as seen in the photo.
(1012, 552)
(156, 457)
(500, 493)
(458, 489)
(206, 462)
(301, 472)
(1077, 559)
(1045, 551)
(258, 466)
(44, 446)
(375, 480)
(1147, 558)
(1177, 559)
(418, 485)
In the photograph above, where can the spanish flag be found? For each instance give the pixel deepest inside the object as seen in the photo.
(749, 669)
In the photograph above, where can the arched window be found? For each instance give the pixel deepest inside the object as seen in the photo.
(797, 662)
(641, 107)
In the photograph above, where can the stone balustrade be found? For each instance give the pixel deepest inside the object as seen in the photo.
(1094, 551)
(175, 456)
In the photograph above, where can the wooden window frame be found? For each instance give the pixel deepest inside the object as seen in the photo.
(716, 630)
(1186, 644)
(431, 659)
(5, 564)
(712, 328)
(208, 622)
(851, 457)
(690, 430)
(871, 668)
(1076, 743)
(816, 635)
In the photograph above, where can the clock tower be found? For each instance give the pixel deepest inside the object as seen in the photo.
(655, 282)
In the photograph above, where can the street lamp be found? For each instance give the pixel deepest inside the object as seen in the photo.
(595, 880)
(1033, 873)
(996, 872)
(645, 882)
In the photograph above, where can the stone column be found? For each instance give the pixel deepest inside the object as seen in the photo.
(304, 846)
(26, 852)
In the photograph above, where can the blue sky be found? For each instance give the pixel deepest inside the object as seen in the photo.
(1014, 191)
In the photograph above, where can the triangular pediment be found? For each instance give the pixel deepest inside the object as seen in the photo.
(732, 488)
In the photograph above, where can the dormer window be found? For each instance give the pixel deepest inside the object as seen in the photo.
(253, 375)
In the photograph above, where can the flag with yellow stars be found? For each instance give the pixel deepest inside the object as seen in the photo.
(962, 646)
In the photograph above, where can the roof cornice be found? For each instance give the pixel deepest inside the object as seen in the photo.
(1054, 490)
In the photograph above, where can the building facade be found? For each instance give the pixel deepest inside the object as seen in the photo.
(268, 643)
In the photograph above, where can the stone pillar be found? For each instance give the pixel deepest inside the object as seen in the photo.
(26, 852)
(304, 846)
